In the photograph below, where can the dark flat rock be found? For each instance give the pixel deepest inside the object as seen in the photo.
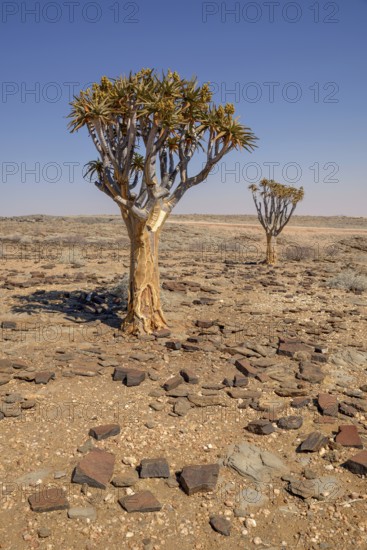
(199, 478)
(154, 467)
(48, 500)
(95, 469)
(173, 382)
(348, 436)
(328, 404)
(221, 525)
(104, 431)
(260, 427)
(357, 464)
(44, 377)
(313, 443)
(128, 376)
(290, 422)
(144, 501)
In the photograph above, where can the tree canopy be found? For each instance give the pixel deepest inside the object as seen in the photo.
(275, 204)
(146, 128)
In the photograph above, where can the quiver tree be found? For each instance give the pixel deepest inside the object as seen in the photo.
(146, 129)
(275, 204)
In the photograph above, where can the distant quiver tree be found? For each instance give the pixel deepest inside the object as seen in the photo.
(275, 204)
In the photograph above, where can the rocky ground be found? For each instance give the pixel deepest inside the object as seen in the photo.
(252, 410)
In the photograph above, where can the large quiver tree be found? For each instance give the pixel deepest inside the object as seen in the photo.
(275, 204)
(146, 129)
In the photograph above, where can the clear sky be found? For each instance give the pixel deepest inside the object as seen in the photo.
(296, 72)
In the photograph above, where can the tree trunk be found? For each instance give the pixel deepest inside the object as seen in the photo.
(144, 313)
(270, 250)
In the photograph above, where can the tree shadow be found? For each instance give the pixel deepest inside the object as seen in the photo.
(108, 306)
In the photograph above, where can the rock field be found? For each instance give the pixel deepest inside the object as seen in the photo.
(244, 426)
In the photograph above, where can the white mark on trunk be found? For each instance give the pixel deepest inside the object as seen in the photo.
(157, 222)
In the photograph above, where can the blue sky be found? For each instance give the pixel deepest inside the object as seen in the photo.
(294, 70)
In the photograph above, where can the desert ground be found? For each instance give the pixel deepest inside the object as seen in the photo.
(261, 368)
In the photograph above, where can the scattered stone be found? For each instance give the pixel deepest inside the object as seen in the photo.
(11, 410)
(300, 402)
(59, 474)
(205, 324)
(357, 464)
(174, 344)
(129, 377)
(310, 373)
(44, 532)
(291, 392)
(244, 366)
(260, 427)
(4, 379)
(142, 357)
(347, 410)
(322, 488)
(221, 525)
(48, 500)
(309, 474)
(156, 392)
(313, 443)
(128, 479)
(182, 407)
(172, 482)
(348, 436)
(82, 513)
(271, 406)
(144, 501)
(207, 400)
(32, 478)
(199, 478)
(328, 404)
(13, 398)
(240, 381)
(319, 358)
(189, 377)
(181, 391)
(290, 422)
(44, 377)
(190, 347)
(154, 467)
(105, 431)
(86, 447)
(95, 469)
(156, 406)
(28, 404)
(86, 370)
(28, 376)
(163, 333)
(254, 463)
(290, 348)
(173, 382)
(237, 393)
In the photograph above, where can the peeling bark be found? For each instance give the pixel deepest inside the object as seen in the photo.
(270, 250)
(144, 314)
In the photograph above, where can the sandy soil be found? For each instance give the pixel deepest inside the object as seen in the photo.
(63, 296)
